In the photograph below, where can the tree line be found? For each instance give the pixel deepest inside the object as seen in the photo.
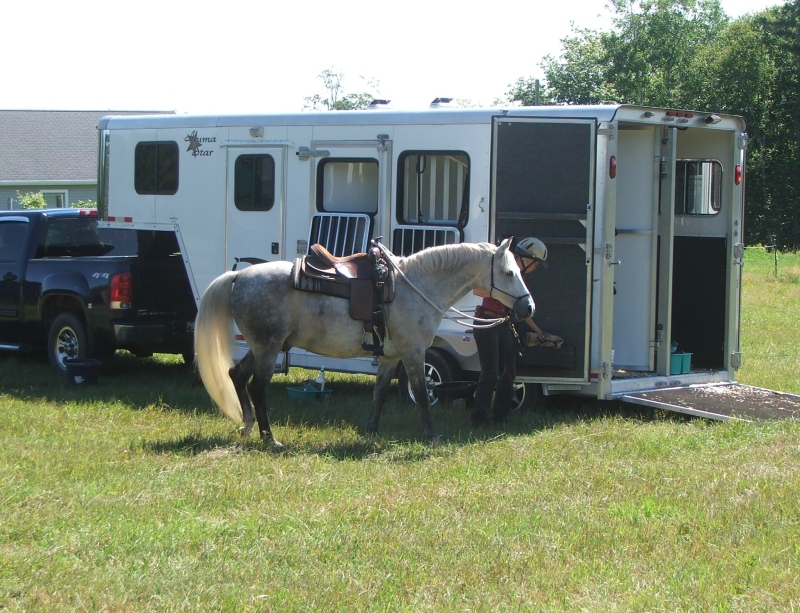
(683, 54)
(689, 54)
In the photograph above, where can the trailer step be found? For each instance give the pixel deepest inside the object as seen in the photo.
(721, 402)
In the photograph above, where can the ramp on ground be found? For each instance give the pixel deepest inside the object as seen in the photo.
(722, 401)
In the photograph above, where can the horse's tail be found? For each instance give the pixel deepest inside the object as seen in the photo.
(213, 336)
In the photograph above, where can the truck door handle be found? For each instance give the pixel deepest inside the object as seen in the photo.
(9, 276)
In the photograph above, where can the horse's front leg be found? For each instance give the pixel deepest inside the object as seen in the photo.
(240, 374)
(386, 370)
(415, 370)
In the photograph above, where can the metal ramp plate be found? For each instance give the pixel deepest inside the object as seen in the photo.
(722, 402)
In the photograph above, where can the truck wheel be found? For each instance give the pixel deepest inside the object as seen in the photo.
(67, 339)
(439, 368)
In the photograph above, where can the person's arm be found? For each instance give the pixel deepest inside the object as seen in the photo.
(532, 325)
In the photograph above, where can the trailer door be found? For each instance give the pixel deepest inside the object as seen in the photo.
(254, 218)
(543, 185)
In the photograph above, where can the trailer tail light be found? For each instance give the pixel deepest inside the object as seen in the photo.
(737, 174)
(612, 166)
(125, 219)
(121, 291)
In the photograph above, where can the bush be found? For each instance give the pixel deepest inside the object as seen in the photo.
(83, 204)
(31, 200)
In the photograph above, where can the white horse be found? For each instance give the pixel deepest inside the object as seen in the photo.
(273, 317)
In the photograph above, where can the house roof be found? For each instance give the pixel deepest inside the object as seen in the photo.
(51, 145)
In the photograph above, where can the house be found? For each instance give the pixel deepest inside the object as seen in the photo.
(53, 152)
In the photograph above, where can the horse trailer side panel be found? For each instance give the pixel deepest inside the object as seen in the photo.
(543, 186)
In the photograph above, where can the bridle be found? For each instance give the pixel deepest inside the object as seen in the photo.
(473, 322)
(516, 299)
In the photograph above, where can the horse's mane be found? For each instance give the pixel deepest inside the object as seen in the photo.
(444, 257)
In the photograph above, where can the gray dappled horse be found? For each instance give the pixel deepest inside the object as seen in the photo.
(273, 317)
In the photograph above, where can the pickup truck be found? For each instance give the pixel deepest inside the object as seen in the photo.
(77, 290)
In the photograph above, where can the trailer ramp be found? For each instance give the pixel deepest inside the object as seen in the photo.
(721, 402)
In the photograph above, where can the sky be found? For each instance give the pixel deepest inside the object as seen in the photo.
(246, 56)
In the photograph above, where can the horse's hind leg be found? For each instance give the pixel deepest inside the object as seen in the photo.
(386, 370)
(416, 377)
(264, 362)
(240, 374)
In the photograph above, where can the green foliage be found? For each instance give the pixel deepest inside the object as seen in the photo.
(31, 200)
(687, 54)
(336, 99)
(84, 204)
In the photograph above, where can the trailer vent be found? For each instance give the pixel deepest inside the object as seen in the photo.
(340, 234)
(410, 239)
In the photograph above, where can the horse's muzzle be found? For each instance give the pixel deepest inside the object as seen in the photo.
(524, 307)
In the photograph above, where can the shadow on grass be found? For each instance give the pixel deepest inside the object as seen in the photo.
(334, 428)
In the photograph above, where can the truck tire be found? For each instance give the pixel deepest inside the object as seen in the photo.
(67, 339)
(439, 368)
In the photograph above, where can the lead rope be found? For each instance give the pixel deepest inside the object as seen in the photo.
(482, 323)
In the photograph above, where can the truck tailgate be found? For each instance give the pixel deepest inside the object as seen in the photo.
(721, 401)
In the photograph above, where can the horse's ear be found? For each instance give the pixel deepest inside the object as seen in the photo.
(504, 246)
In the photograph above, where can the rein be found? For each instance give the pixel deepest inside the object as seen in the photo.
(482, 323)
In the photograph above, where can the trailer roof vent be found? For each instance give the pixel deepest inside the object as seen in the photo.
(441, 103)
(378, 104)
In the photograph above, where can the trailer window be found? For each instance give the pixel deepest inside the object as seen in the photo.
(347, 185)
(698, 187)
(156, 168)
(254, 182)
(433, 187)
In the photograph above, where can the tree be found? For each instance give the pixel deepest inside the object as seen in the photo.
(336, 99)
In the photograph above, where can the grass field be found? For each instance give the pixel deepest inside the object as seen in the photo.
(134, 495)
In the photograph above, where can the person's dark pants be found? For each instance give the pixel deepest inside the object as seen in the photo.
(497, 355)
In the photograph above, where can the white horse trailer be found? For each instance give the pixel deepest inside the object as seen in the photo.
(641, 210)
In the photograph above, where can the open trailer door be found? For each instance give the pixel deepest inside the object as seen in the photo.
(721, 402)
(543, 185)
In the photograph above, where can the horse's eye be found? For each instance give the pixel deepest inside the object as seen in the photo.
(509, 273)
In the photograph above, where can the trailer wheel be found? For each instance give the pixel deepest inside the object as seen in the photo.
(439, 368)
(67, 339)
(527, 397)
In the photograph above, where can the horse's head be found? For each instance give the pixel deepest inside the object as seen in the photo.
(504, 282)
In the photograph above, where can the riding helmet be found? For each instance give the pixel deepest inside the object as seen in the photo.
(533, 249)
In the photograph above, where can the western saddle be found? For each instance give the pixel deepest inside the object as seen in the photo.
(365, 279)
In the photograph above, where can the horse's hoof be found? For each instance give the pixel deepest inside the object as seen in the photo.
(246, 430)
(278, 447)
(433, 439)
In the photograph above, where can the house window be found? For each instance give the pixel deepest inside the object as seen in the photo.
(56, 199)
(433, 187)
(698, 187)
(254, 182)
(347, 185)
(156, 168)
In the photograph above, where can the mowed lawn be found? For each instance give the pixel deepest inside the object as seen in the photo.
(134, 495)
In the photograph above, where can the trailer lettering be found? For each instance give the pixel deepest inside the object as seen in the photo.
(196, 142)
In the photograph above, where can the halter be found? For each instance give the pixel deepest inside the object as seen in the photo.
(481, 323)
(516, 299)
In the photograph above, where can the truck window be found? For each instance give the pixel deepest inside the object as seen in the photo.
(254, 182)
(698, 187)
(13, 236)
(433, 187)
(156, 168)
(347, 185)
(81, 237)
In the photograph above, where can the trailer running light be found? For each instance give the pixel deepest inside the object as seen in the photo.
(121, 294)
(125, 219)
(737, 174)
(612, 166)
